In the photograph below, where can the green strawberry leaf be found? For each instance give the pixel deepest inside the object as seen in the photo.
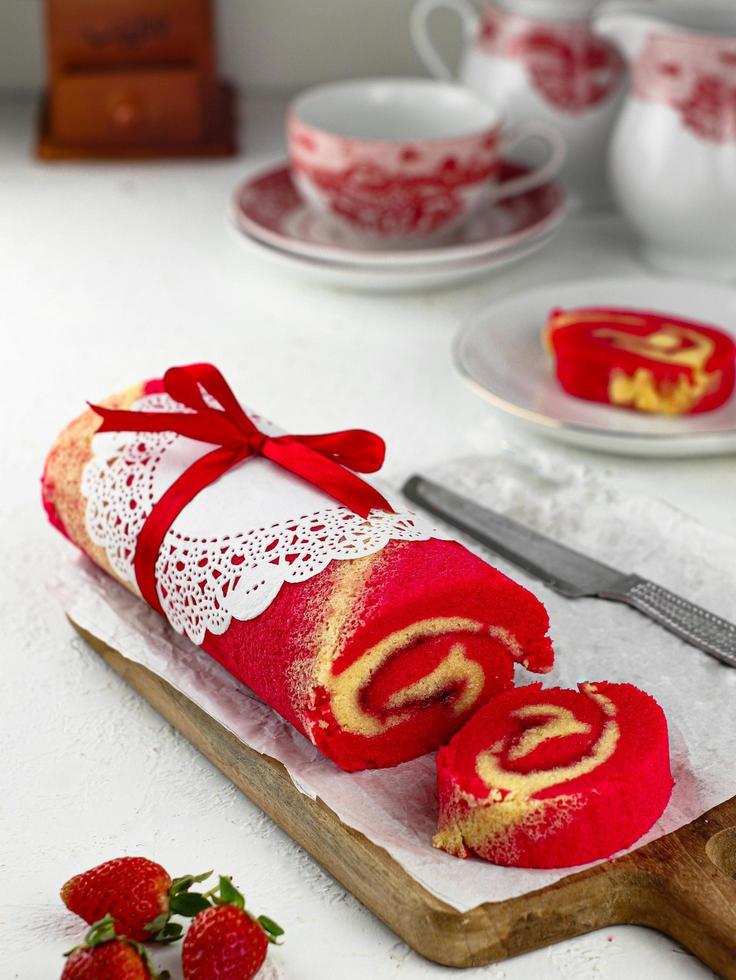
(189, 904)
(229, 894)
(101, 931)
(185, 882)
(162, 930)
(272, 929)
(203, 877)
(170, 933)
(158, 923)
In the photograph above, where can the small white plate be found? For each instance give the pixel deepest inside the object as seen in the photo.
(349, 275)
(269, 209)
(500, 354)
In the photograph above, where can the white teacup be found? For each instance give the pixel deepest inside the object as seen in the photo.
(405, 159)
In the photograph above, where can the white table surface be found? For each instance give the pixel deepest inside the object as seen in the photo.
(109, 274)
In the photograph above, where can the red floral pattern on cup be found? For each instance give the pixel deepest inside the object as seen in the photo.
(694, 76)
(393, 190)
(569, 67)
(383, 204)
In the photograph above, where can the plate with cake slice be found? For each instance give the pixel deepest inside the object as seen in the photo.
(638, 366)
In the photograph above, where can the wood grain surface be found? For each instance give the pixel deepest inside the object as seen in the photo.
(683, 885)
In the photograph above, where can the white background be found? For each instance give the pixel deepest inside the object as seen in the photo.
(109, 275)
(264, 45)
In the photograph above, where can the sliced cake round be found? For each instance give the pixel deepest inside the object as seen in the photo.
(553, 778)
(646, 361)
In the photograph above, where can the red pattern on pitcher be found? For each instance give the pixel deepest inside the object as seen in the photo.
(696, 78)
(569, 67)
(710, 110)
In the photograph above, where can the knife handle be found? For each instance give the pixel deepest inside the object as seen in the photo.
(691, 623)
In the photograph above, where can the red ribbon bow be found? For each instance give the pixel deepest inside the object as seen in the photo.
(320, 459)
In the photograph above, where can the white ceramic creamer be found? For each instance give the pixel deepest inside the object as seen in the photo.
(540, 60)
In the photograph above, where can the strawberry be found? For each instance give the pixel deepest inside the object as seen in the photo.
(225, 942)
(139, 896)
(104, 956)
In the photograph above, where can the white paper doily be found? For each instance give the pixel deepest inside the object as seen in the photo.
(232, 548)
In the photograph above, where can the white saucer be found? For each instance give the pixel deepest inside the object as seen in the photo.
(267, 207)
(500, 354)
(392, 280)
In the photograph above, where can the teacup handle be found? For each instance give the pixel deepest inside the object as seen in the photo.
(423, 43)
(542, 175)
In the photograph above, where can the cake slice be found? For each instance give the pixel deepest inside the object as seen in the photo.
(640, 360)
(553, 778)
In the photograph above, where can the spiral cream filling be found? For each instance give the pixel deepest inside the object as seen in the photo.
(558, 722)
(511, 804)
(456, 671)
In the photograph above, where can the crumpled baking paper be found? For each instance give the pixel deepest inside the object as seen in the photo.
(594, 640)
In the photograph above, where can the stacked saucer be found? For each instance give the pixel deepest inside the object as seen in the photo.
(273, 217)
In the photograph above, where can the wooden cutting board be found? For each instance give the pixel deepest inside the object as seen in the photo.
(683, 885)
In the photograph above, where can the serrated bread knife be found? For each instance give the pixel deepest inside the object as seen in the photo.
(573, 574)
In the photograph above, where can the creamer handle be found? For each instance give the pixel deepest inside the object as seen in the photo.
(423, 43)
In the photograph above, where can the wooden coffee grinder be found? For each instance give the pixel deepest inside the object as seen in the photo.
(133, 78)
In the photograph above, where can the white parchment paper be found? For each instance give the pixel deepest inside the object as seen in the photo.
(594, 640)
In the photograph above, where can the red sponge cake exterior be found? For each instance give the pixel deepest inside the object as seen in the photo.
(377, 661)
(554, 778)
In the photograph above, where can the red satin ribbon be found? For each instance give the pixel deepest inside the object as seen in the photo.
(320, 460)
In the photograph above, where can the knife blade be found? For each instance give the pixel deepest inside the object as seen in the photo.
(573, 574)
